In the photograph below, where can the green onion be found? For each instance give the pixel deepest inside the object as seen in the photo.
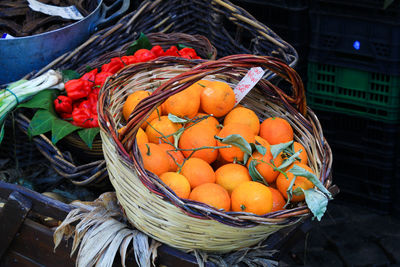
(22, 90)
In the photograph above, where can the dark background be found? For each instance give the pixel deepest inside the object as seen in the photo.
(349, 62)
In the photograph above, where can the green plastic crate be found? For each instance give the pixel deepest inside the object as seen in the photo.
(351, 91)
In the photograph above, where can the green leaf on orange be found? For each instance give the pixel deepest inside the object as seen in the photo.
(316, 202)
(254, 174)
(236, 140)
(289, 161)
(289, 191)
(277, 149)
(176, 119)
(299, 171)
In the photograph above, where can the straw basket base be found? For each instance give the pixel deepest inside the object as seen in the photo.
(156, 217)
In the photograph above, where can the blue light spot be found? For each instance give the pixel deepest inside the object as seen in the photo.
(356, 45)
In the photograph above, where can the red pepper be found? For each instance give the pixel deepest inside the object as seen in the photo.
(187, 51)
(95, 90)
(101, 78)
(92, 98)
(172, 51)
(157, 50)
(115, 65)
(63, 104)
(90, 76)
(84, 118)
(93, 121)
(65, 116)
(77, 88)
(144, 55)
(128, 60)
(86, 104)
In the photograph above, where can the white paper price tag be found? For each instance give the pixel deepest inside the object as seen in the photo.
(67, 12)
(247, 83)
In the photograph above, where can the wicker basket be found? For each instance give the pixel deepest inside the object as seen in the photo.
(231, 29)
(93, 173)
(153, 208)
(72, 158)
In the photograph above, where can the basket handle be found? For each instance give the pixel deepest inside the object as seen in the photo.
(231, 64)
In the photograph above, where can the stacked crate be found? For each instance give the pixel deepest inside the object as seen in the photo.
(354, 87)
(287, 18)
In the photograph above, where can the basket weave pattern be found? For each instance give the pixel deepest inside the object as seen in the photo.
(230, 29)
(152, 207)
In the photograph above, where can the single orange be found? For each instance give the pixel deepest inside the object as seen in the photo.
(276, 130)
(210, 121)
(278, 202)
(283, 184)
(234, 153)
(201, 85)
(183, 104)
(252, 197)
(265, 166)
(133, 100)
(177, 182)
(217, 98)
(245, 116)
(141, 137)
(161, 127)
(213, 195)
(198, 172)
(229, 176)
(173, 156)
(154, 158)
(196, 137)
(303, 155)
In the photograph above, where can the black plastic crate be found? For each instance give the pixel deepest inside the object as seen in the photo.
(278, 3)
(383, 207)
(342, 38)
(360, 135)
(396, 204)
(288, 19)
(362, 173)
(373, 7)
(364, 158)
(364, 178)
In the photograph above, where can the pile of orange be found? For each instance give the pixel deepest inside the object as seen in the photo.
(192, 159)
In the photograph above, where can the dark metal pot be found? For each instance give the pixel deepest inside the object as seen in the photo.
(21, 55)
